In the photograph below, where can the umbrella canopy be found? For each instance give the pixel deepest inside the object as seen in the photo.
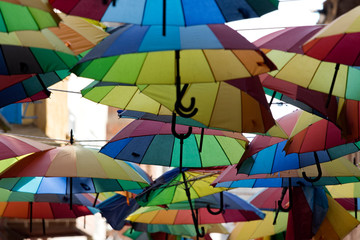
(138, 55)
(151, 142)
(215, 102)
(14, 146)
(339, 41)
(181, 13)
(272, 157)
(235, 210)
(291, 62)
(35, 15)
(52, 172)
(169, 188)
(290, 40)
(339, 171)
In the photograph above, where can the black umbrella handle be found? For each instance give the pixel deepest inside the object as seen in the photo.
(317, 178)
(221, 209)
(186, 112)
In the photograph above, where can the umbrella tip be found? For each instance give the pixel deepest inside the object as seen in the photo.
(71, 137)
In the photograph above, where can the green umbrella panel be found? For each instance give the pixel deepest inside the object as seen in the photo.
(26, 15)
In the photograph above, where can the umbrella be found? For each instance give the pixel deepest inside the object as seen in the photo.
(152, 142)
(318, 73)
(35, 15)
(197, 54)
(72, 169)
(290, 40)
(169, 188)
(264, 148)
(182, 13)
(233, 209)
(14, 146)
(215, 103)
(339, 171)
(338, 42)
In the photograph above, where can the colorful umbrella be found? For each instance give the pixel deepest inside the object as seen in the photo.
(152, 142)
(169, 188)
(198, 54)
(234, 209)
(338, 42)
(290, 40)
(216, 52)
(14, 146)
(264, 148)
(318, 73)
(181, 13)
(35, 15)
(72, 169)
(339, 171)
(215, 103)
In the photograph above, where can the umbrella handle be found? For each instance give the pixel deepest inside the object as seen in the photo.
(282, 198)
(180, 108)
(180, 92)
(221, 209)
(317, 178)
(173, 130)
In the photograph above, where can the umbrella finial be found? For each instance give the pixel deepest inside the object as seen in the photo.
(71, 137)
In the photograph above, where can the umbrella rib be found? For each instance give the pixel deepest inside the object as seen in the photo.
(190, 180)
(216, 98)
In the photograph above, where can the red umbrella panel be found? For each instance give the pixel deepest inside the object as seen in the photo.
(14, 146)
